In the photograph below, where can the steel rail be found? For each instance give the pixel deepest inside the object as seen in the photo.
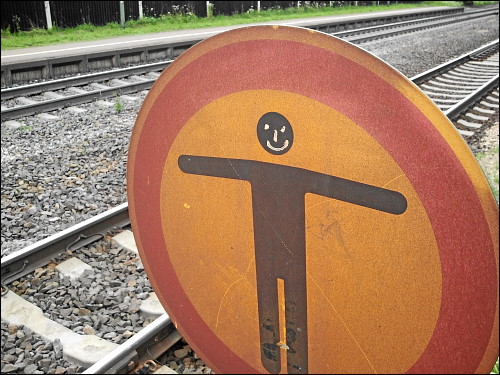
(366, 38)
(453, 112)
(155, 338)
(417, 26)
(431, 73)
(346, 33)
(53, 104)
(22, 262)
(80, 80)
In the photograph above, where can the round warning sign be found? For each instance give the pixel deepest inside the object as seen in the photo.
(301, 207)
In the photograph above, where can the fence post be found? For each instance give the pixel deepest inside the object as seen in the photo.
(140, 10)
(47, 15)
(208, 9)
(258, 6)
(122, 14)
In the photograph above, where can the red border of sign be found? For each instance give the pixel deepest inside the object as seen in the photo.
(469, 306)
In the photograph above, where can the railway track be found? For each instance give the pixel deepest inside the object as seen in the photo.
(84, 296)
(35, 272)
(69, 92)
(465, 88)
(16, 69)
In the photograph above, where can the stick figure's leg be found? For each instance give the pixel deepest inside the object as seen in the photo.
(279, 237)
(296, 318)
(267, 291)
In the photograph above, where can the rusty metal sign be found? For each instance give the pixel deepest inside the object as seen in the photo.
(301, 207)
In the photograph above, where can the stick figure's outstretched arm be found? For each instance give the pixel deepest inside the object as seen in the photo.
(357, 193)
(216, 167)
(299, 179)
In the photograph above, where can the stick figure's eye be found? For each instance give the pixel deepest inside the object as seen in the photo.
(282, 129)
(266, 126)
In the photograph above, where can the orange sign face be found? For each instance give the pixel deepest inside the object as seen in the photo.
(301, 207)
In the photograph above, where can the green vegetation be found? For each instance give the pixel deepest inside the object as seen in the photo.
(490, 163)
(495, 368)
(481, 3)
(118, 105)
(42, 37)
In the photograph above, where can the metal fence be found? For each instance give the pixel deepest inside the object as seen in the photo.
(27, 15)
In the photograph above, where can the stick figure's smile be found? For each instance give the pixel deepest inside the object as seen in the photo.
(277, 149)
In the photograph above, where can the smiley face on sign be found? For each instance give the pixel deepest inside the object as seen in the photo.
(275, 133)
(297, 223)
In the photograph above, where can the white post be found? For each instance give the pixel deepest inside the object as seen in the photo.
(140, 9)
(47, 15)
(122, 14)
(258, 6)
(208, 8)
(298, 4)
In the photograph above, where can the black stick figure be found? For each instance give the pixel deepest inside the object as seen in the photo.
(278, 205)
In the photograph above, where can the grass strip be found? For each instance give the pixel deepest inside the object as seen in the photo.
(146, 25)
